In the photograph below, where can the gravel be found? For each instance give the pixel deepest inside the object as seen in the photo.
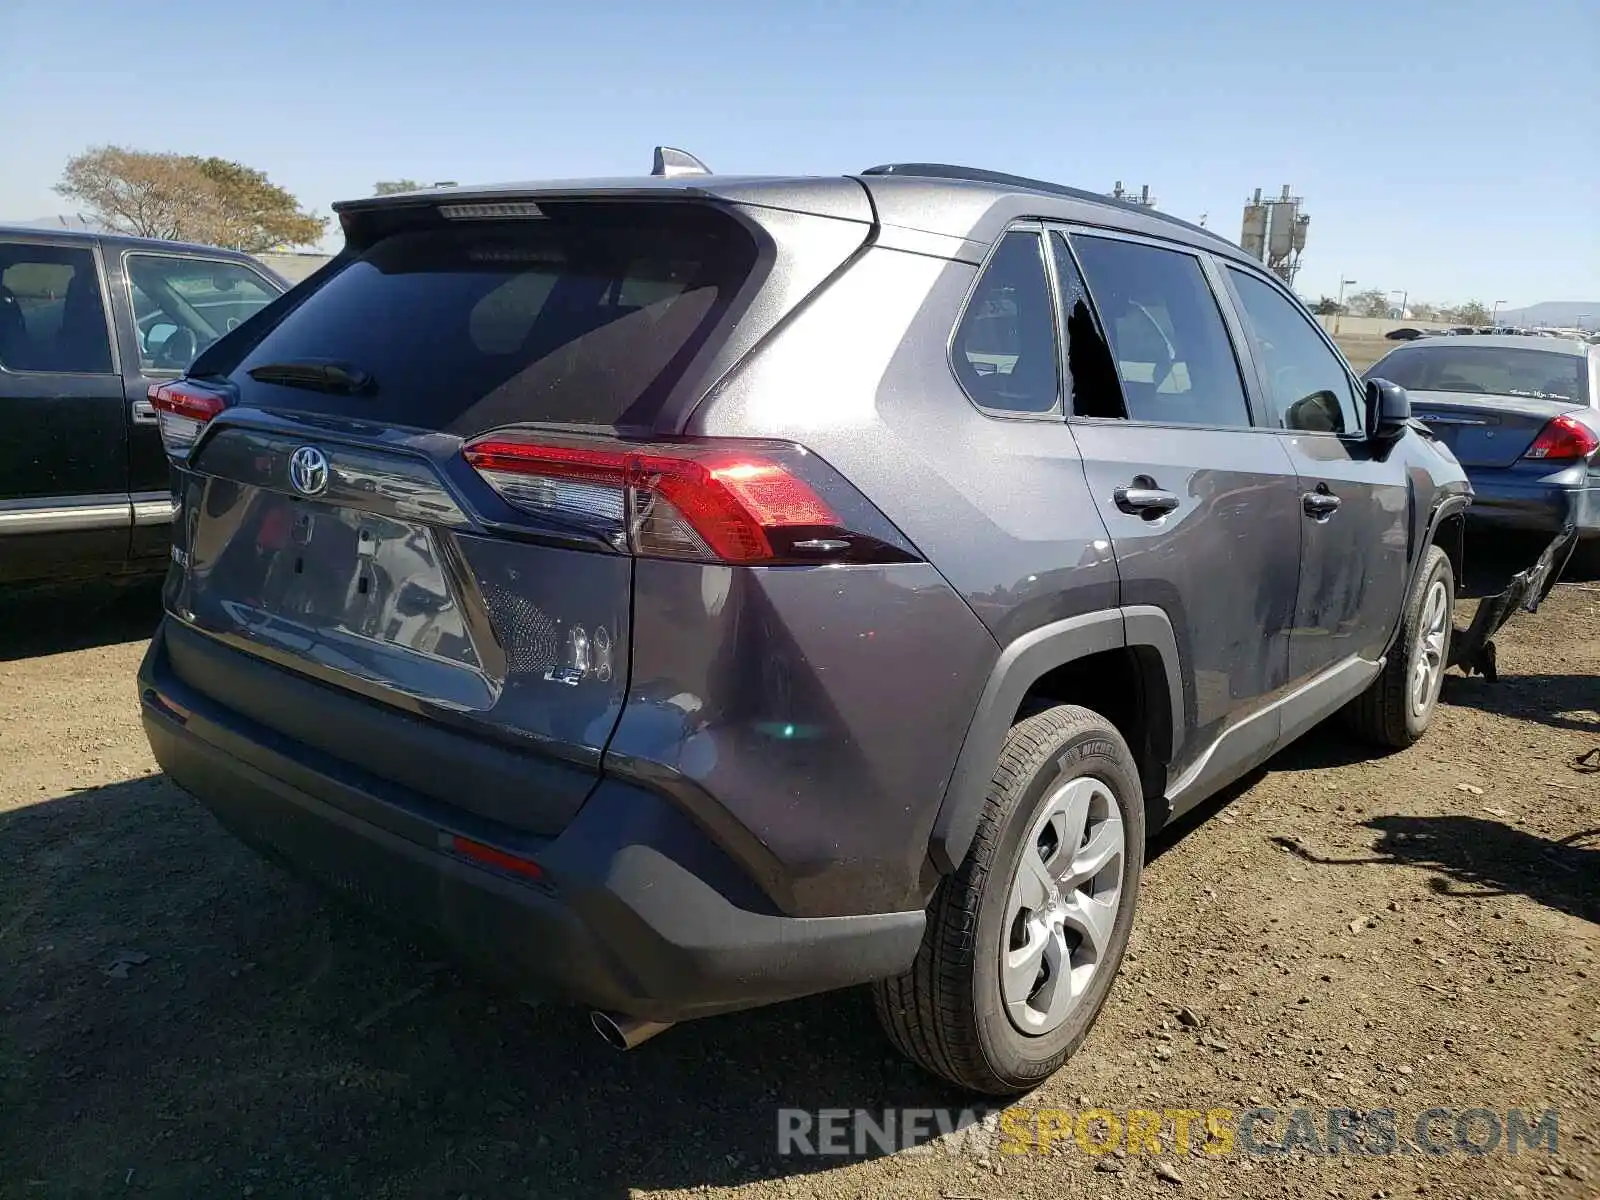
(179, 1019)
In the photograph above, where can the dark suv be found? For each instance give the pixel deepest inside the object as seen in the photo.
(88, 322)
(694, 592)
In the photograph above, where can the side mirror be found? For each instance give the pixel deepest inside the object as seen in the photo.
(1388, 409)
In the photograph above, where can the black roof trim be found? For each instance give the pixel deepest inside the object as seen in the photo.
(1024, 184)
(117, 241)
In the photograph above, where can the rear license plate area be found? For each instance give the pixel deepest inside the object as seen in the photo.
(343, 571)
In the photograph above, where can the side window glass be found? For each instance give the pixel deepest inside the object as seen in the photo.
(1092, 388)
(1005, 346)
(1307, 385)
(182, 305)
(1170, 346)
(51, 316)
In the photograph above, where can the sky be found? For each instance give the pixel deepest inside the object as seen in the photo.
(1447, 149)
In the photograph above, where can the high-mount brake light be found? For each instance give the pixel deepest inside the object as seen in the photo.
(182, 411)
(513, 210)
(706, 501)
(1564, 437)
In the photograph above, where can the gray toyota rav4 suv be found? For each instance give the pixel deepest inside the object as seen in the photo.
(687, 593)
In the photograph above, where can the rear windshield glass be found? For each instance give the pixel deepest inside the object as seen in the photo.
(1487, 370)
(586, 317)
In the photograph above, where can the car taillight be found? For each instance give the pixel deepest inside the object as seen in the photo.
(182, 410)
(1564, 437)
(728, 502)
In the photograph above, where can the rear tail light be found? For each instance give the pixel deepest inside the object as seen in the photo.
(1564, 437)
(182, 410)
(728, 502)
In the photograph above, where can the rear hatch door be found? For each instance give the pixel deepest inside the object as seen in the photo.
(332, 531)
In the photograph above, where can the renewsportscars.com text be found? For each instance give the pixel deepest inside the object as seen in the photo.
(1261, 1131)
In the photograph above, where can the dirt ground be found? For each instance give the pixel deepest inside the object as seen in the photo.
(1364, 349)
(179, 1019)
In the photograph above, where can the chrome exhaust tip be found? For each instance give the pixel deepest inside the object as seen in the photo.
(624, 1033)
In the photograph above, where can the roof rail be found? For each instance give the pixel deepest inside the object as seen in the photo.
(1023, 183)
(671, 162)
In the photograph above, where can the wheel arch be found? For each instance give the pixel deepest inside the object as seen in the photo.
(1447, 524)
(1449, 533)
(1034, 666)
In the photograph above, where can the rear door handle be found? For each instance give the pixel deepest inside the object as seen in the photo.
(1149, 502)
(1320, 506)
(144, 413)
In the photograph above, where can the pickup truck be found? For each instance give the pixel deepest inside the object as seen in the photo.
(88, 322)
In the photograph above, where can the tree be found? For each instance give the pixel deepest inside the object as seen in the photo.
(389, 187)
(187, 198)
(1327, 306)
(150, 195)
(1421, 310)
(1472, 313)
(1370, 303)
(251, 213)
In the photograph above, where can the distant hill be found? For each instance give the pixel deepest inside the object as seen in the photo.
(62, 221)
(1559, 313)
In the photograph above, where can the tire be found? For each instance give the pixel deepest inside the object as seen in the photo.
(949, 1012)
(1389, 713)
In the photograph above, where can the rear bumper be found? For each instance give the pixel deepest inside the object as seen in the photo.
(634, 909)
(1534, 506)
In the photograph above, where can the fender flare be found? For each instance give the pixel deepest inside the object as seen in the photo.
(1451, 506)
(1021, 664)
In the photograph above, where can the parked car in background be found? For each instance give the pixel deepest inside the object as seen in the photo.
(693, 593)
(87, 323)
(1523, 416)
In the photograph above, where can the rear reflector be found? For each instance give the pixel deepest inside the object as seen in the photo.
(1563, 438)
(711, 501)
(491, 857)
(182, 410)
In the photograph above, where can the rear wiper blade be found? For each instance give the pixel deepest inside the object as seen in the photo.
(317, 375)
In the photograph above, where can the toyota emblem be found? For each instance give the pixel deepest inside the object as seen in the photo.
(308, 471)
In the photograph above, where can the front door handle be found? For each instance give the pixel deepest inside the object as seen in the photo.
(1142, 498)
(1320, 505)
(144, 413)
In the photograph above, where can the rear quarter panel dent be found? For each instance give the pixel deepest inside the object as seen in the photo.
(821, 708)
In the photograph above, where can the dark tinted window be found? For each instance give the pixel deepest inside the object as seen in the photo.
(1306, 382)
(1448, 366)
(51, 317)
(181, 305)
(587, 317)
(1171, 348)
(1005, 346)
(1091, 388)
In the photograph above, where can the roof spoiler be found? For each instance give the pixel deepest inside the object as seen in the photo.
(671, 162)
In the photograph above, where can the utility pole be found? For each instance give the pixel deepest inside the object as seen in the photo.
(1404, 296)
(1338, 316)
(1494, 317)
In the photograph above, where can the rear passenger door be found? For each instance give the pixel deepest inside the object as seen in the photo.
(1203, 509)
(1355, 528)
(63, 458)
